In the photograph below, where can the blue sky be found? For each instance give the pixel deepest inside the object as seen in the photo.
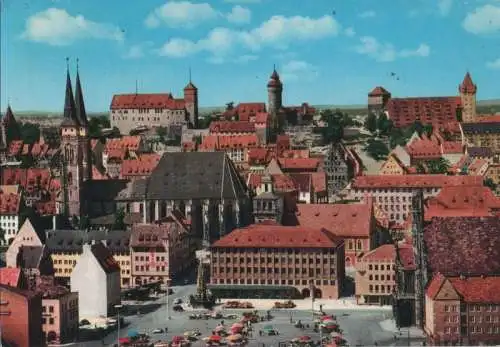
(327, 51)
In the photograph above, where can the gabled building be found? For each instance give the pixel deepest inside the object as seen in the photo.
(96, 279)
(339, 168)
(26, 237)
(35, 261)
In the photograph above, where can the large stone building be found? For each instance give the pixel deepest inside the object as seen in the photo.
(276, 261)
(129, 111)
(204, 186)
(463, 310)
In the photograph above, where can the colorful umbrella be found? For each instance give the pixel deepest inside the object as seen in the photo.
(237, 325)
(235, 337)
(132, 333)
(177, 339)
(235, 330)
(304, 338)
(124, 340)
(214, 338)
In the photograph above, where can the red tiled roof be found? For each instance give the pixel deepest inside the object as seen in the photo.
(467, 86)
(283, 141)
(319, 181)
(260, 156)
(9, 204)
(489, 119)
(406, 256)
(459, 201)
(302, 181)
(281, 182)
(221, 142)
(45, 208)
(379, 91)
(304, 110)
(295, 153)
(475, 252)
(15, 147)
(27, 178)
(117, 154)
(471, 289)
(262, 117)
(441, 112)
(278, 236)
(131, 143)
(246, 110)
(452, 147)
(232, 127)
(98, 175)
(142, 101)
(424, 148)
(10, 276)
(381, 253)
(142, 166)
(414, 181)
(299, 163)
(343, 220)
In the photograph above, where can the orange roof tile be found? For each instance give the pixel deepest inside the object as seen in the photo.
(262, 117)
(299, 163)
(478, 289)
(260, 156)
(343, 220)
(278, 236)
(424, 148)
(10, 276)
(414, 181)
(141, 101)
(379, 91)
(319, 181)
(452, 147)
(232, 127)
(142, 166)
(281, 182)
(221, 142)
(15, 147)
(98, 175)
(131, 143)
(406, 256)
(381, 253)
(9, 204)
(295, 153)
(45, 208)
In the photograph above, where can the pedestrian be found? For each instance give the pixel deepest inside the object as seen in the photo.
(260, 332)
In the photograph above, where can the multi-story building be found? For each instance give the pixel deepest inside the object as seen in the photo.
(353, 223)
(130, 111)
(140, 167)
(236, 147)
(277, 261)
(35, 262)
(339, 166)
(493, 172)
(59, 312)
(394, 192)
(375, 278)
(160, 252)
(27, 236)
(462, 310)
(9, 131)
(96, 279)
(483, 134)
(21, 317)
(10, 208)
(268, 205)
(66, 246)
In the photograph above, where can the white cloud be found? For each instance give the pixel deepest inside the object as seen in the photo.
(137, 51)
(386, 52)
(483, 20)
(278, 31)
(58, 28)
(367, 14)
(239, 15)
(495, 64)
(246, 58)
(444, 6)
(296, 70)
(349, 32)
(242, 1)
(181, 14)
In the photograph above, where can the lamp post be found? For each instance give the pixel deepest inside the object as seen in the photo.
(118, 307)
(167, 296)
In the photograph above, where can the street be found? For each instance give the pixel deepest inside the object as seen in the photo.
(360, 327)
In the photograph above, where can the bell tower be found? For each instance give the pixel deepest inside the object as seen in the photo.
(191, 102)
(467, 90)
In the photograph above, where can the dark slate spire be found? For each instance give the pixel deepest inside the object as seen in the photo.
(69, 101)
(81, 115)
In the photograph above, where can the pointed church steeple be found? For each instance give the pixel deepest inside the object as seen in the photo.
(69, 101)
(81, 114)
(467, 85)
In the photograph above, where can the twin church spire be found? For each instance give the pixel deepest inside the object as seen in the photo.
(74, 105)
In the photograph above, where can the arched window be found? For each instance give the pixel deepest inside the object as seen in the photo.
(70, 178)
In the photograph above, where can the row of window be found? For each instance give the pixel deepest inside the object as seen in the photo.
(382, 277)
(146, 268)
(263, 270)
(263, 261)
(146, 258)
(296, 282)
(381, 289)
(382, 267)
(487, 319)
(473, 308)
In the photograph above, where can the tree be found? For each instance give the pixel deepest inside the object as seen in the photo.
(84, 222)
(334, 130)
(371, 122)
(438, 166)
(119, 223)
(2, 235)
(428, 129)
(376, 149)
(418, 127)
(161, 132)
(30, 133)
(421, 168)
(488, 182)
(384, 124)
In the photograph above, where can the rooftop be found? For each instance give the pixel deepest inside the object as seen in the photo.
(479, 289)
(414, 181)
(382, 253)
(463, 245)
(277, 236)
(10, 276)
(141, 101)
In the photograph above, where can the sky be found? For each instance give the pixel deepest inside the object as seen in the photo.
(326, 51)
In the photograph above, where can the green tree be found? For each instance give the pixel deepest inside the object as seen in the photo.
(384, 124)
(438, 166)
(333, 132)
(421, 168)
(418, 127)
(119, 223)
(488, 182)
(376, 149)
(30, 133)
(428, 129)
(84, 222)
(371, 122)
(162, 133)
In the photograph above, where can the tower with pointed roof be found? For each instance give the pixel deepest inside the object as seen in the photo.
(9, 130)
(467, 90)
(191, 102)
(75, 146)
(274, 94)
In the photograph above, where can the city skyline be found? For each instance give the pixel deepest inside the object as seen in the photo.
(326, 53)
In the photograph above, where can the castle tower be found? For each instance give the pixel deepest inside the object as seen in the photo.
(72, 145)
(468, 96)
(83, 131)
(9, 128)
(274, 94)
(191, 101)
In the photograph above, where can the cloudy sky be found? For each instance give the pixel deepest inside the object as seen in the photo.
(327, 51)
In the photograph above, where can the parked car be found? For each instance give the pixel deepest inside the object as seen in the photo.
(178, 301)
(178, 308)
(158, 331)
